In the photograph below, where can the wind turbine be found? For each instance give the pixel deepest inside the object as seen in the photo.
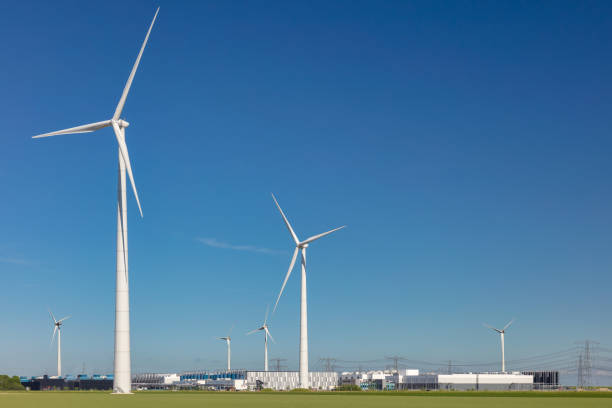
(301, 245)
(228, 340)
(266, 331)
(501, 333)
(57, 328)
(122, 382)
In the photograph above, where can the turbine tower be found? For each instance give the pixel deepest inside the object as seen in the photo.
(300, 245)
(228, 340)
(501, 333)
(266, 331)
(122, 382)
(57, 328)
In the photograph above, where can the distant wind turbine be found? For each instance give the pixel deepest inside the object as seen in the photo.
(501, 333)
(300, 245)
(267, 333)
(57, 328)
(122, 382)
(228, 340)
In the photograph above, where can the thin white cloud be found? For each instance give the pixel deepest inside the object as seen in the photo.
(14, 261)
(212, 242)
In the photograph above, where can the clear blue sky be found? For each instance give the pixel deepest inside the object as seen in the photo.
(466, 145)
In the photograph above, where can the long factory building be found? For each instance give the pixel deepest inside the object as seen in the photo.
(243, 380)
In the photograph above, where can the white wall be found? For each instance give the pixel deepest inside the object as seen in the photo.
(288, 380)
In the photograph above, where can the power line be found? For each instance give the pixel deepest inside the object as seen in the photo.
(395, 360)
(278, 363)
(329, 363)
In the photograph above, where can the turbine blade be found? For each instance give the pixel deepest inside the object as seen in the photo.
(267, 311)
(64, 318)
(252, 331)
(295, 238)
(90, 127)
(491, 327)
(53, 317)
(286, 277)
(128, 84)
(508, 325)
(270, 334)
(314, 238)
(53, 336)
(126, 158)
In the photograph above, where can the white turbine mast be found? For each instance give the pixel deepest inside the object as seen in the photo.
(501, 334)
(264, 327)
(228, 340)
(57, 328)
(122, 382)
(300, 245)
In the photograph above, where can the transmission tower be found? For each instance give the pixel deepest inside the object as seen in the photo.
(279, 366)
(585, 364)
(329, 363)
(580, 379)
(450, 367)
(395, 360)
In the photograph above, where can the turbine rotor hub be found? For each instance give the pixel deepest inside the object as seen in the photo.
(123, 123)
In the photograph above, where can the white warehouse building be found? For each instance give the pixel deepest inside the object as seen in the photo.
(412, 379)
(288, 380)
(253, 380)
(486, 381)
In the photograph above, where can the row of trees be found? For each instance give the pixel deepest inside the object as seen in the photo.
(10, 383)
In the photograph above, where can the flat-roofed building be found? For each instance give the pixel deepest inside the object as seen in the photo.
(486, 381)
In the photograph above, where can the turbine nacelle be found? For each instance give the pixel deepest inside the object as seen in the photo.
(500, 331)
(122, 123)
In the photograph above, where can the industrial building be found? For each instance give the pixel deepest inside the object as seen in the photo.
(544, 380)
(287, 380)
(413, 380)
(387, 380)
(486, 382)
(81, 382)
(255, 380)
(154, 381)
(245, 380)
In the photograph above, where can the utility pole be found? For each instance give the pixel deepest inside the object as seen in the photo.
(450, 367)
(395, 360)
(278, 363)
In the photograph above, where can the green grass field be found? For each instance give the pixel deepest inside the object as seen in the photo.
(320, 400)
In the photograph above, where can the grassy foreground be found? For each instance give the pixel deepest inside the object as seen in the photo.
(155, 399)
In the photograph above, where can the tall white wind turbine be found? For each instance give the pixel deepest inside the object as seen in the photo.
(300, 245)
(267, 333)
(501, 333)
(228, 340)
(122, 382)
(57, 328)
